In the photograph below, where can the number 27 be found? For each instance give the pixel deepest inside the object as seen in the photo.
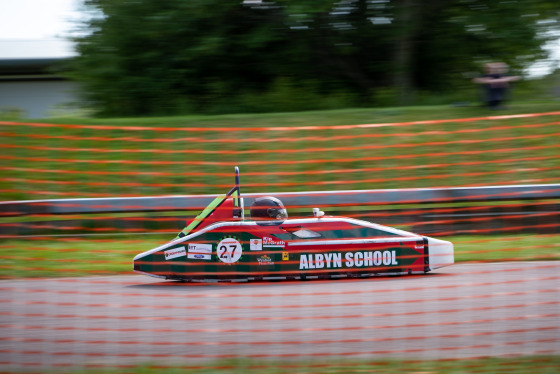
(224, 249)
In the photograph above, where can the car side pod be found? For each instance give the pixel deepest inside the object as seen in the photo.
(440, 253)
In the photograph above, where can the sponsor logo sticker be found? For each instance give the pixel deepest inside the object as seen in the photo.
(200, 248)
(265, 260)
(256, 244)
(175, 252)
(273, 242)
(199, 256)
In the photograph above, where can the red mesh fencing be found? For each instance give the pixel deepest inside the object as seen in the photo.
(69, 299)
(64, 160)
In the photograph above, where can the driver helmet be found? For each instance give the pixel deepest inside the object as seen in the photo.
(268, 208)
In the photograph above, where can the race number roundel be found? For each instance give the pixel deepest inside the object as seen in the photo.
(229, 250)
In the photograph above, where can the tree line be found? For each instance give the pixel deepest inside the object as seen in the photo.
(152, 57)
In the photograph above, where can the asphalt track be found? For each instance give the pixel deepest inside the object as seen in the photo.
(465, 310)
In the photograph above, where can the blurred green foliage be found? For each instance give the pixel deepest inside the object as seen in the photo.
(147, 57)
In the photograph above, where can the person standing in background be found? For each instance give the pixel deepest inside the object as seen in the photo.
(495, 83)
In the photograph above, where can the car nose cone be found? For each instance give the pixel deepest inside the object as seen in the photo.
(441, 253)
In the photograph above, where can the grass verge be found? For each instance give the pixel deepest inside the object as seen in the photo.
(511, 365)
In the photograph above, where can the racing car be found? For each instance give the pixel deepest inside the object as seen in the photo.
(220, 244)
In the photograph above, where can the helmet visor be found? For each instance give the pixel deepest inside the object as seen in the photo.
(277, 213)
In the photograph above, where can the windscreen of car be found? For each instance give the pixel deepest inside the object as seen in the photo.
(306, 234)
(352, 232)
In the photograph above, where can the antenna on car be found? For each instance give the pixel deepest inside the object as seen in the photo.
(237, 179)
(239, 209)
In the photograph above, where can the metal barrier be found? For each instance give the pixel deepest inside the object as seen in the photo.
(290, 199)
(531, 212)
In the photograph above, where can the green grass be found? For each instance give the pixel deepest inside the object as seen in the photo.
(68, 257)
(173, 157)
(506, 247)
(511, 365)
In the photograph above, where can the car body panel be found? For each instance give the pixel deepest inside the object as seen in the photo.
(220, 244)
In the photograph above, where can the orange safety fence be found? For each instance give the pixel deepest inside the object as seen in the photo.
(70, 301)
(306, 150)
(346, 171)
(286, 139)
(44, 161)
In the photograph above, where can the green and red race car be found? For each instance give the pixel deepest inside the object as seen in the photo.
(220, 244)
